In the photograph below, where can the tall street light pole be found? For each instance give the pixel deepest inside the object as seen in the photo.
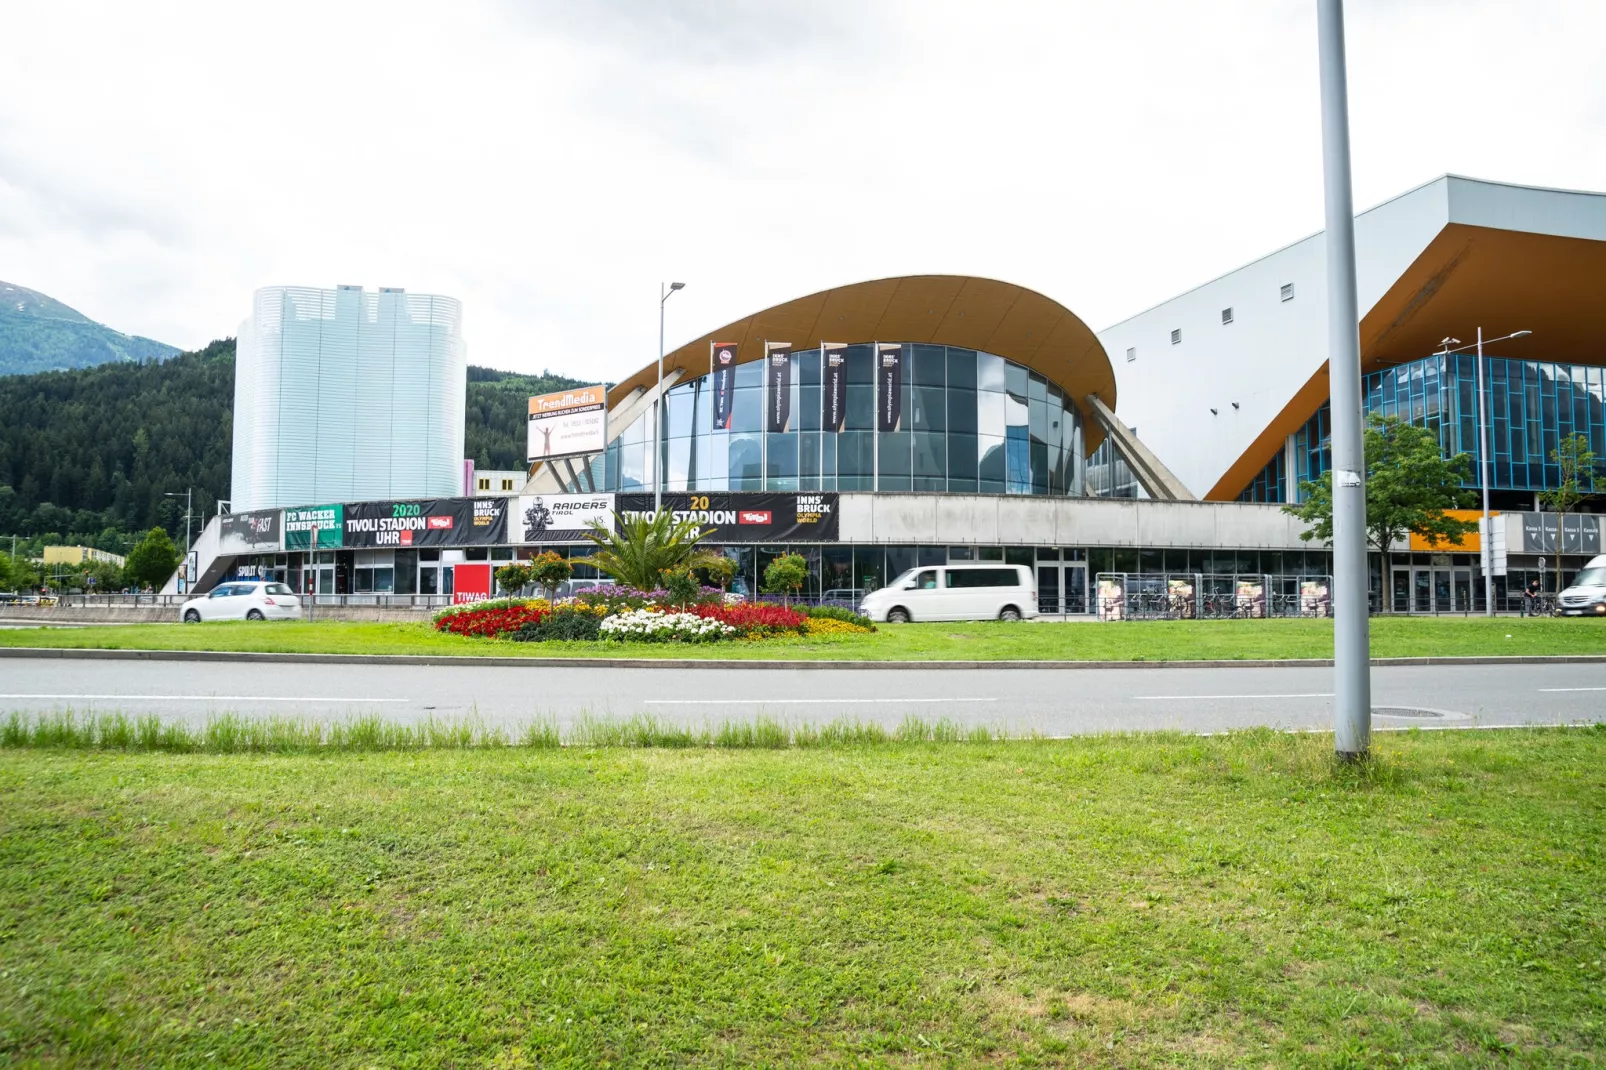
(1352, 672)
(184, 559)
(1485, 557)
(664, 293)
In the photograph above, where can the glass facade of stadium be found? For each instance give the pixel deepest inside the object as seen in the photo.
(972, 423)
(1531, 406)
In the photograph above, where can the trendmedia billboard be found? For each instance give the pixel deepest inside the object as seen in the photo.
(568, 422)
(426, 522)
(250, 533)
(736, 518)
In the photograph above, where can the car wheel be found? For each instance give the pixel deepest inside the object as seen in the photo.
(255, 614)
(192, 617)
(897, 615)
(1009, 613)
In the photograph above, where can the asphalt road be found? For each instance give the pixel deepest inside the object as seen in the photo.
(1051, 701)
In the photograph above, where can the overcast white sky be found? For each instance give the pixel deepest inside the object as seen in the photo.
(549, 162)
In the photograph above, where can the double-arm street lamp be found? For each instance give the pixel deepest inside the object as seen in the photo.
(184, 560)
(1484, 556)
(664, 293)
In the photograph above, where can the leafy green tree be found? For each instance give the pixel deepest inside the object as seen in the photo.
(1409, 485)
(1577, 463)
(682, 585)
(785, 575)
(720, 570)
(153, 560)
(17, 573)
(638, 548)
(550, 570)
(512, 577)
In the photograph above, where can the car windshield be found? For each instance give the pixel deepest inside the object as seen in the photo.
(1591, 577)
(279, 588)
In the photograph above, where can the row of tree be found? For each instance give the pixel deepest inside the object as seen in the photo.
(149, 564)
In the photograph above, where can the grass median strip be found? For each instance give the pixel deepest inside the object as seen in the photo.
(1153, 641)
(1136, 901)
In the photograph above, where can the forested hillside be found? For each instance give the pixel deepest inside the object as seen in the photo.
(86, 455)
(39, 333)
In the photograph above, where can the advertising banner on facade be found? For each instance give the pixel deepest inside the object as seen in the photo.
(778, 385)
(427, 522)
(559, 517)
(834, 398)
(471, 583)
(568, 422)
(889, 387)
(762, 518)
(300, 522)
(722, 368)
(1315, 599)
(1250, 598)
(1578, 533)
(251, 533)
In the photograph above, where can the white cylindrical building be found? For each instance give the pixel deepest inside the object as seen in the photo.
(342, 395)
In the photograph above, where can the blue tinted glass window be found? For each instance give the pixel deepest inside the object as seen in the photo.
(962, 368)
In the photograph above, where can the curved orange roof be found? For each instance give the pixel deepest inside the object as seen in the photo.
(995, 317)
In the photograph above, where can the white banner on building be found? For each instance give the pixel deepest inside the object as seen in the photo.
(568, 422)
(558, 517)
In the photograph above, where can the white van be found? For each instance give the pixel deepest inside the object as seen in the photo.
(955, 592)
(1587, 595)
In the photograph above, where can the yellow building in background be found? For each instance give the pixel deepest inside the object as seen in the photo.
(78, 555)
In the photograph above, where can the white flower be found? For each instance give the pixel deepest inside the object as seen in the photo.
(655, 627)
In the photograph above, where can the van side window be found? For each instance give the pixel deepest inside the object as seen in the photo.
(926, 581)
(983, 577)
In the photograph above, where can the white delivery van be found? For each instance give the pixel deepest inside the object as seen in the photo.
(955, 592)
(1587, 595)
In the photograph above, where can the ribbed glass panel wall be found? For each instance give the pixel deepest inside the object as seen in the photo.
(972, 423)
(342, 395)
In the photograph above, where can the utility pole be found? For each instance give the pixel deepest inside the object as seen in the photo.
(1352, 670)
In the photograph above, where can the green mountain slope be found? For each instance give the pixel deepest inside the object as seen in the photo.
(87, 454)
(39, 333)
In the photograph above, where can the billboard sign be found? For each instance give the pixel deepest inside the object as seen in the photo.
(329, 521)
(426, 522)
(471, 583)
(722, 366)
(568, 422)
(558, 517)
(737, 518)
(1578, 533)
(249, 533)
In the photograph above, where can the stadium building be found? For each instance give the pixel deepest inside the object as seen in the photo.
(884, 425)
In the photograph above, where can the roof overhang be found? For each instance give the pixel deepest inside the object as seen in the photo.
(1467, 277)
(995, 317)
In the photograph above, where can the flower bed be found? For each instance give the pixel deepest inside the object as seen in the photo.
(754, 620)
(490, 619)
(833, 626)
(652, 626)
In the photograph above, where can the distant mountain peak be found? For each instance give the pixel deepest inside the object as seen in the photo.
(39, 333)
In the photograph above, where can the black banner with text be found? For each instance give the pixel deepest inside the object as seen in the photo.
(722, 365)
(889, 387)
(426, 522)
(778, 386)
(834, 399)
(738, 518)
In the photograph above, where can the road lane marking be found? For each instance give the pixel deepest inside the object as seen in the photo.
(1552, 689)
(215, 698)
(797, 701)
(1180, 698)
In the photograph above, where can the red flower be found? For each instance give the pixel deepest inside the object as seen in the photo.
(488, 623)
(750, 617)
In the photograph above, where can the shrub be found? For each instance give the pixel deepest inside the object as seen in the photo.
(512, 577)
(841, 613)
(786, 574)
(649, 626)
(682, 587)
(549, 570)
(565, 623)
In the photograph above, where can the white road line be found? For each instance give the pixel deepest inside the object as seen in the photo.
(1182, 698)
(215, 698)
(1554, 689)
(797, 701)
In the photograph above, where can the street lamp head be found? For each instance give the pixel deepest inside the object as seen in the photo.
(1521, 334)
(676, 286)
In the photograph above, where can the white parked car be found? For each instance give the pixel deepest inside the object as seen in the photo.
(955, 592)
(243, 600)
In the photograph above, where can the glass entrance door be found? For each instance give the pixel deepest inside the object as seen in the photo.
(1048, 588)
(1427, 589)
(1075, 587)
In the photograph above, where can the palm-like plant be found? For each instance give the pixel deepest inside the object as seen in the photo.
(637, 548)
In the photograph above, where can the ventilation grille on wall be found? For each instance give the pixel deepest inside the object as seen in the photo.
(1226, 316)
(1288, 291)
(1131, 354)
(1176, 337)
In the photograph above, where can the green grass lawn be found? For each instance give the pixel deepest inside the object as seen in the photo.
(1126, 901)
(984, 640)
